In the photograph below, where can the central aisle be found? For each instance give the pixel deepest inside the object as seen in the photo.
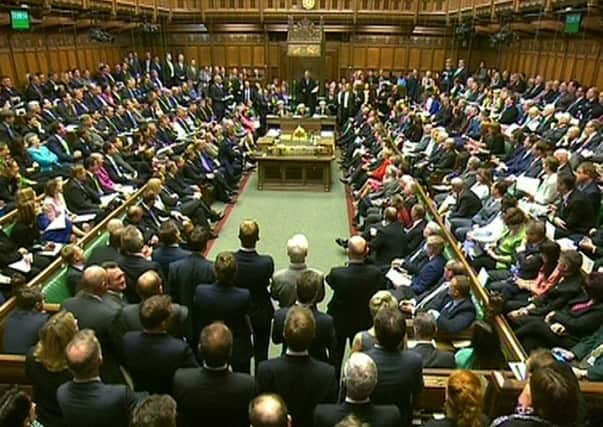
(280, 214)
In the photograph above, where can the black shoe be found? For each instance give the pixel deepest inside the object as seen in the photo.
(342, 242)
(212, 236)
(344, 180)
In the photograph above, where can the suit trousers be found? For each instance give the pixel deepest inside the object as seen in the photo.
(261, 320)
(536, 333)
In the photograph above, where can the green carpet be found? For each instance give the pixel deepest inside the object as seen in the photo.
(320, 216)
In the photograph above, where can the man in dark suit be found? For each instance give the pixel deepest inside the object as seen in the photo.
(298, 378)
(149, 284)
(308, 91)
(23, 324)
(74, 258)
(467, 203)
(186, 274)
(360, 379)
(353, 286)
(390, 240)
(57, 143)
(576, 216)
(155, 374)
(104, 253)
(414, 234)
(586, 181)
(93, 312)
(399, 372)
(424, 327)
(133, 262)
(431, 272)
(218, 96)
(87, 401)
(309, 290)
(453, 309)
(169, 249)
(79, 198)
(254, 273)
(227, 303)
(213, 392)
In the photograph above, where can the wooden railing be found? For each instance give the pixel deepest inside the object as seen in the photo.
(45, 275)
(513, 349)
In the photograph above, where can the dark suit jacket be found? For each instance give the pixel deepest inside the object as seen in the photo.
(592, 192)
(94, 313)
(53, 144)
(73, 279)
(353, 286)
(429, 274)
(155, 374)
(94, 404)
(559, 296)
(254, 273)
(578, 213)
(324, 341)
(301, 381)
(434, 358)
(219, 398)
(389, 243)
(185, 275)
(80, 199)
(21, 330)
(327, 415)
(453, 318)
(400, 380)
(165, 255)
(133, 266)
(101, 254)
(414, 236)
(179, 325)
(230, 305)
(467, 205)
(582, 323)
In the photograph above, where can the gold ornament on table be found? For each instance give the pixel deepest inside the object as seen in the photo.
(300, 134)
(308, 4)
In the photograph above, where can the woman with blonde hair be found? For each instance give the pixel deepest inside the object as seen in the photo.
(46, 365)
(365, 340)
(464, 402)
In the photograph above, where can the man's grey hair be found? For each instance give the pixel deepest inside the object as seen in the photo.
(433, 228)
(360, 376)
(297, 248)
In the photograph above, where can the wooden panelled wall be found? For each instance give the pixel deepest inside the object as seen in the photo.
(390, 53)
(21, 53)
(560, 58)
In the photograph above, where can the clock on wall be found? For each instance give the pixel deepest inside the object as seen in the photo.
(308, 4)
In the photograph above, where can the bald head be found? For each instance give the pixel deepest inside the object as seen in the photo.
(83, 354)
(114, 224)
(357, 248)
(149, 284)
(94, 280)
(268, 410)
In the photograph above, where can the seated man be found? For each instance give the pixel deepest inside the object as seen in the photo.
(433, 269)
(360, 379)
(284, 282)
(424, 327)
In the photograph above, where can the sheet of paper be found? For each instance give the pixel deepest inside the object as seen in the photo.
(587, 264)
(52, 252)
(327, 133)
(527, 185)
(83, 218)
(519, 370)
(550, 231)
(482, 277)
(566, 244)
(57, 224)
(108, 198)
(398, 278)
(22, 266)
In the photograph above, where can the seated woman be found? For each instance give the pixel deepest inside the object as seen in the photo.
(568, 287)
(54, 204)
(481, 188)
(519, 292)
(464, 402)
(11, 253)
(40, 154)
(501, 255)
(485, 350)
(365, 340)
(46, 366)
(564, 327)
(546, 193)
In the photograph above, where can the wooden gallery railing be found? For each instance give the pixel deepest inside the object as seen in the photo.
(512, 348)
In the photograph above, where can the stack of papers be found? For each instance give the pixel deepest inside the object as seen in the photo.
(83, 218)
(22, 266)
(58, 224)
(52, 252)
(398, 278)
(108, 198)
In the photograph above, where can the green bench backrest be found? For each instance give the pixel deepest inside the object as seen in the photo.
(56, 290)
